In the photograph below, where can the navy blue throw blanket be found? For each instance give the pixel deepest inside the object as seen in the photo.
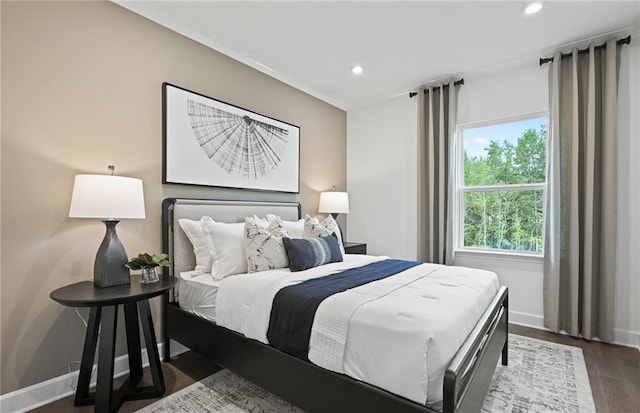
(294, 307)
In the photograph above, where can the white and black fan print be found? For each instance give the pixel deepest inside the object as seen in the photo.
(240, 145)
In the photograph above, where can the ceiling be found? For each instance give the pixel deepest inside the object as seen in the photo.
(313, 45)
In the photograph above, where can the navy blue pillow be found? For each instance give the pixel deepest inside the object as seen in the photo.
(305, 253)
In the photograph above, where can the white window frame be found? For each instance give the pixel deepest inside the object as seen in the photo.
(460, 190)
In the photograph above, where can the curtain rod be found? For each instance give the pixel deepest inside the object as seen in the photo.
(626, 40)
(456, 83)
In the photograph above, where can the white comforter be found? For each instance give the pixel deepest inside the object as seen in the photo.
(399, 333)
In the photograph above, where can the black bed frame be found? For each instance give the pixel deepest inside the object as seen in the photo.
(316, 390)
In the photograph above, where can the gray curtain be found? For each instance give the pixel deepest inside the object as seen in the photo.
(436, 128)
(580, 238)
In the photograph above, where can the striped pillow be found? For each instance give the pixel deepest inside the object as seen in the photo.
(305, 253)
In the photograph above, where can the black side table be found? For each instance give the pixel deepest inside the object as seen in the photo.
(104, 311)
(355, 248)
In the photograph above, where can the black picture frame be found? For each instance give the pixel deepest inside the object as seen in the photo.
(209, 142)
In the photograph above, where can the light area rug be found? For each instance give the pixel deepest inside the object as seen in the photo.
(541, 377)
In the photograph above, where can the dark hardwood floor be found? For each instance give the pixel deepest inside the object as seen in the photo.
(614, 372)
(183, 370)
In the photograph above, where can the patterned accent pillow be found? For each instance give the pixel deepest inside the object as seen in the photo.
(314, 228)
(263, 244)
(305, 253)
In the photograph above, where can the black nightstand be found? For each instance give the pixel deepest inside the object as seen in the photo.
(355, 248)
(103, 303)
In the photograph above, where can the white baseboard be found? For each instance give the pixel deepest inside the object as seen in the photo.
(626, 338)
(39, 394)
(621, 337)
(526, 319)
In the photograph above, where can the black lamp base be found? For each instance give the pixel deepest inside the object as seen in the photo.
(335, 217)
(109, 269)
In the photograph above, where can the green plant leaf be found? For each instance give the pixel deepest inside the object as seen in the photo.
(146, 260)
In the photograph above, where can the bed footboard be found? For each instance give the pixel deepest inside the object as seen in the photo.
(466, 380)
(304, 384)
(469, 374)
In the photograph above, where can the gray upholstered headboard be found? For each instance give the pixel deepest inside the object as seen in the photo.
(177, 245)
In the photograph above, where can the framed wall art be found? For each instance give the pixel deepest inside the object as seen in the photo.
(213, 143)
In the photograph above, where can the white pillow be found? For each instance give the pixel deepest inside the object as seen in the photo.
(228, 249)
(314, 228)
(200, 243)
(295, 229)
(263, 246)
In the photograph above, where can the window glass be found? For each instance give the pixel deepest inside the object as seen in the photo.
(506, 153)
(504, 220)
(502, 187)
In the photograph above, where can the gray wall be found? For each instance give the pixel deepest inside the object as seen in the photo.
(81, 90)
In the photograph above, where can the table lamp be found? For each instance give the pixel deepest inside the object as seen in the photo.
(334, 203)
(109, 198)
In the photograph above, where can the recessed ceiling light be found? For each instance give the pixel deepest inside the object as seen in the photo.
(357, 70)
(533, 7)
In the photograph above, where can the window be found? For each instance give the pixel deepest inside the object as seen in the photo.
(501, 185)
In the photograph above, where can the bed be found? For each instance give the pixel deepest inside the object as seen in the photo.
(189, 318)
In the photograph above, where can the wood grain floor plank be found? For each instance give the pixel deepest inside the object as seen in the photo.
(183, 371)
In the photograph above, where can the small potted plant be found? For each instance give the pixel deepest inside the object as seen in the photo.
(148, 263)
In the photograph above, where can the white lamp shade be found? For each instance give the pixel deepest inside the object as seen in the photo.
(334, 202)
(107, 197)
